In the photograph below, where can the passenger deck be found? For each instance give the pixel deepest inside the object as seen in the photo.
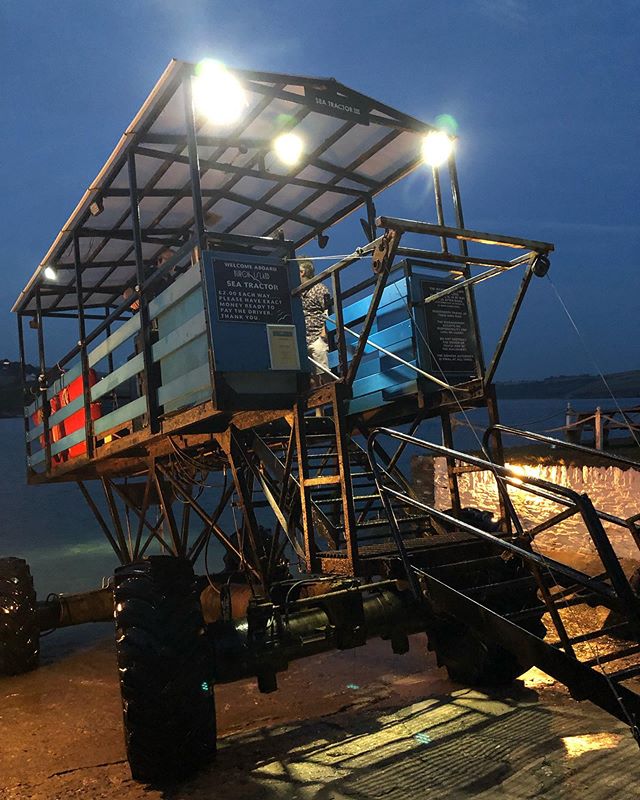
(215, 335)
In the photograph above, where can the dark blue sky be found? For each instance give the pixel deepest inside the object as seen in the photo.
(547, 97)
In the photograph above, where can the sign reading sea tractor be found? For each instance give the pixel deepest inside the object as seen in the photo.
(210, 401)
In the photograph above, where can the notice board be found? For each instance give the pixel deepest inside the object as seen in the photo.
(256, 324)
(250, 292)
(447, 326)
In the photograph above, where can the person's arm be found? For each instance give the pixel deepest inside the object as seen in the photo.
(327, 303)
(127, 294)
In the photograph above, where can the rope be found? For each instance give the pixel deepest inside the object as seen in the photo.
(590, 355)
(353, 256)
(569, 609)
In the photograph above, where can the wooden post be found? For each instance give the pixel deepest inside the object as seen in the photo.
(597, 428)
(572, 432)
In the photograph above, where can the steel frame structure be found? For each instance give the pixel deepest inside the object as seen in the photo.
(343, 514)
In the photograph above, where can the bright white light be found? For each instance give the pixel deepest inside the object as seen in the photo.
(288, 147)
(50, 274)
(217, 93)
(436, 148)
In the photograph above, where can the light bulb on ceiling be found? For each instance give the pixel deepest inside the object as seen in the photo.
(436, 148)
(217, 93)
(289, 148)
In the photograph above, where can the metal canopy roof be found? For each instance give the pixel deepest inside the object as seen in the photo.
(354, 148)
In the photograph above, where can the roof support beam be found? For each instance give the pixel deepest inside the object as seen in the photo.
(285, 179)
(194, 165)
(231, 169)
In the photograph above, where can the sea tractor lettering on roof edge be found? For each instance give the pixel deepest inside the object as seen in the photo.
(331, 103)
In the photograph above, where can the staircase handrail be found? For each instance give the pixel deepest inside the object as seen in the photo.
(540, 437)
(623, 596)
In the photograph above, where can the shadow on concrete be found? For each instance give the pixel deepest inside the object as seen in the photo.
(456, 746)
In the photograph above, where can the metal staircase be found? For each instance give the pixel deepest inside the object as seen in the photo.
(317, 479)
(496, 600)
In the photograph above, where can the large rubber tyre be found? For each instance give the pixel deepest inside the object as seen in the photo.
(473, 661)
(19, 631)
(468, 658)
(166, 670)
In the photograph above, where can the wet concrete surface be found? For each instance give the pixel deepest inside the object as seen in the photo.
(358, 724)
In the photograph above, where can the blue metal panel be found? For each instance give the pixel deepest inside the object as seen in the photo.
(400, 390)
(366, 402)
(179, 391)
(66, 411)
(65, 379)
(36, 458)
(183, 346)
(389, 338)
(393, 293)
(118, 376)
(181, 287)
(375, 361)
(380, 376)
(124, 332)
(68, 441)
(185, 333)
(121, 415)
(30, 409)
(38, 430)
(382, 380)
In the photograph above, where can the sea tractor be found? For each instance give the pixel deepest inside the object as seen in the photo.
(192, 418)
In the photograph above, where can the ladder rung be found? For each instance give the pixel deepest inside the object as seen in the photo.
(476, 564)
(322, 480)
(615, 656)
(377, 523)
(497, 587)
(585, 637)
(625, 674)
(356, 498)
(514, 616)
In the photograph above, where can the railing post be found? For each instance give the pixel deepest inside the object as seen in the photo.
(23, 382)
(452, 475)
(383, 259)
(42, 384)
(149, 387)
(341, 343)
(435, 171)
(84, 359)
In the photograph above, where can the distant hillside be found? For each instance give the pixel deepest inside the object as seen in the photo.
(566, 387)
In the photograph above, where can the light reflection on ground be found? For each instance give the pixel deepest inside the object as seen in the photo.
(579, 745)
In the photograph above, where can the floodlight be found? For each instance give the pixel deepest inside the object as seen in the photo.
(50, 274)
(288, 147)
(217, 93)
(436, 148)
